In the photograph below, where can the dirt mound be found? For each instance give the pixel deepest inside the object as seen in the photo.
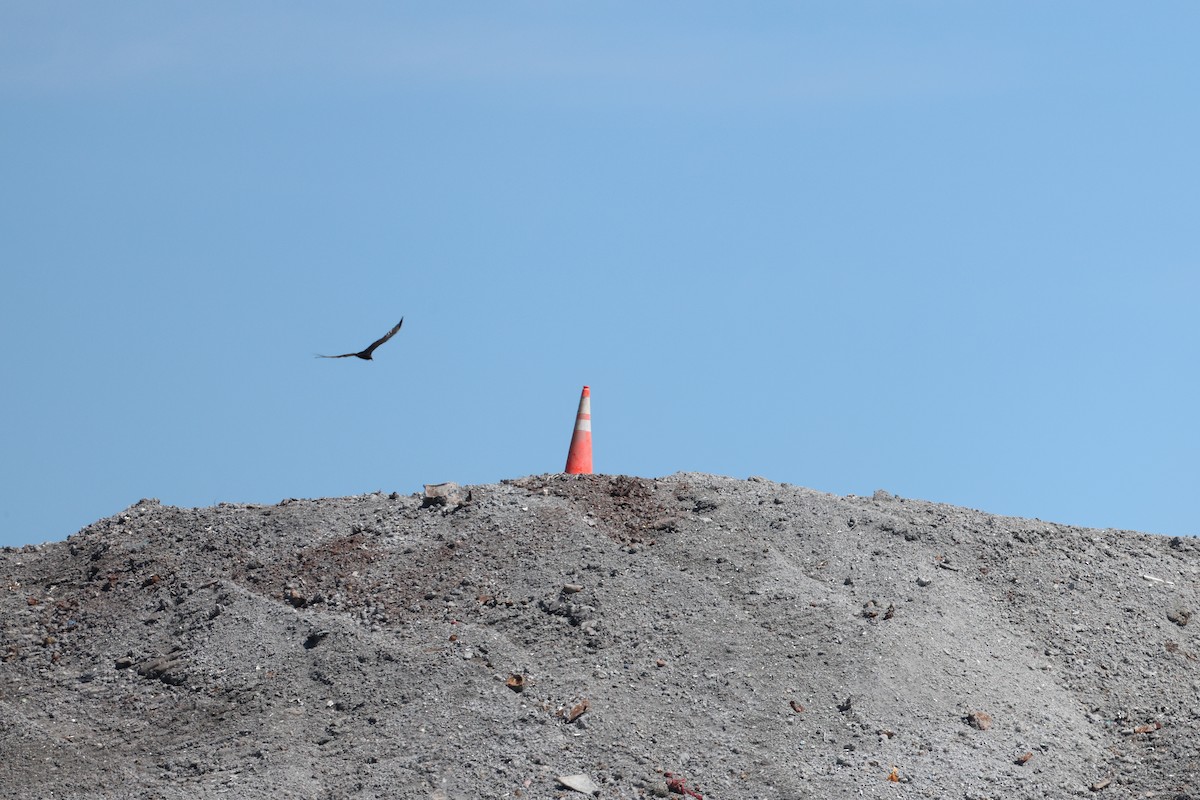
(688, 636)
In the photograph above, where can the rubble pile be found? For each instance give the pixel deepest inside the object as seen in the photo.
(592, 635)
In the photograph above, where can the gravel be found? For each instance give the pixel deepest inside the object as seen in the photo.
(685, 636)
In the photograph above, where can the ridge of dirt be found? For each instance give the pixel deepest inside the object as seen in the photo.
(687, 636)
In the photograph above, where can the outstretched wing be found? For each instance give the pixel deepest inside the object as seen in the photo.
(343, 355)
(379, 341)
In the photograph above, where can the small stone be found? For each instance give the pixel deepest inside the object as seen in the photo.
(444, 494)
(580, 783)
(578, 710)
(980, 720)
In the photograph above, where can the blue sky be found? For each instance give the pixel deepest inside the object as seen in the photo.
(944, 249)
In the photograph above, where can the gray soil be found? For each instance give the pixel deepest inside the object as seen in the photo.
(687, 636)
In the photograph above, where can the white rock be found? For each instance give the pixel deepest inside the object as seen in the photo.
(580, 783)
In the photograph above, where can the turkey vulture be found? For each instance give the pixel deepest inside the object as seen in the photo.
(366, 354)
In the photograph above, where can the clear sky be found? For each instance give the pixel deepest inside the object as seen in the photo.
(946, 249)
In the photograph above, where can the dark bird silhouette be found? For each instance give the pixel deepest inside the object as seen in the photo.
(366, 354)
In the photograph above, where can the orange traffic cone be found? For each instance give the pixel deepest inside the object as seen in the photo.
(579, 458)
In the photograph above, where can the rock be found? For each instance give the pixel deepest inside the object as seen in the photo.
(580, 783)
(578, 710)
(315, 638)
(1180, 616)
(980, 720)
(656, 787)
(445, 494)
(170, 668)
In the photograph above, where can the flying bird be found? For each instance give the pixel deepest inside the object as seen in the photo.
(366, 354)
